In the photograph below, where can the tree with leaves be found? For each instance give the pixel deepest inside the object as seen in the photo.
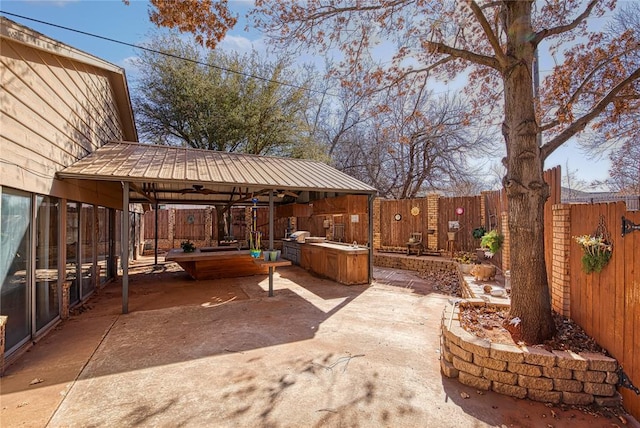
(496, 43)
(218, 103)
(624, 175)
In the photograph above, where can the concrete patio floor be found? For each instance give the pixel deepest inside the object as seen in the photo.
(223, 354)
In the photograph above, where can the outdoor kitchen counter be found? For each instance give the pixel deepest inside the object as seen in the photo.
(342, 263)
(216, 264)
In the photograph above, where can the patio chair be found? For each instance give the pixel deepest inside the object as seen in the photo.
(415, 243)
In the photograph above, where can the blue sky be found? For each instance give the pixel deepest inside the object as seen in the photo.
(130, 24)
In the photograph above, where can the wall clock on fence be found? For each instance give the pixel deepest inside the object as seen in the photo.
(397, 217)
(415, 211)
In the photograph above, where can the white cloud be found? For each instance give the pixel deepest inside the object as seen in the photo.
(242, 44)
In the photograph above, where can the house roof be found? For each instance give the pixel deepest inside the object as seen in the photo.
(26, 36)
(168, 174)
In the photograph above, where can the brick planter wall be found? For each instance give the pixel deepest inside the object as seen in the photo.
(526, 372)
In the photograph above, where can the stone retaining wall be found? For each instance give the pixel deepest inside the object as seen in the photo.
(419, 264)
(526, 372)
(422, 265)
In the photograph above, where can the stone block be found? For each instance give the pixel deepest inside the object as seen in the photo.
(613, 401)
(525, 369)
(507, 378)
(446, 353)
(600, 389)
(508, 353)
(612, 378)
(571, 360)
(541, 383)
(600, 362)
(557, 373)
(511, 390)
(490, 363)
(467, 367)
(461, 353)
(449, 335)
(578, 398)
(476, 345)
(539, 357)
(474, 381)
(544, 396)
(568, 385)
(589, 376)
(447, 369)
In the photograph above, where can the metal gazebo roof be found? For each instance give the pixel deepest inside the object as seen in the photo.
(168, 174)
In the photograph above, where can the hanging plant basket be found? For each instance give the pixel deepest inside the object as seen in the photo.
(597, 248)
(597, 252)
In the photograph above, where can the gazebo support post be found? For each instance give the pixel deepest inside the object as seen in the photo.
(155, 258)
(124, 247)
(271, 241)
(371, 199)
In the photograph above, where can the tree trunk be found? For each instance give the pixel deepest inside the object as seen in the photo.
(524, 183)
(221, 210)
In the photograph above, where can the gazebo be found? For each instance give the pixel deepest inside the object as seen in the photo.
(155, 174)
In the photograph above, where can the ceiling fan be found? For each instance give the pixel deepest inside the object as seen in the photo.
(197, 188)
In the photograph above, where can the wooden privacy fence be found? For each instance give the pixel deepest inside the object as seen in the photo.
(605, 304)
(343, 218)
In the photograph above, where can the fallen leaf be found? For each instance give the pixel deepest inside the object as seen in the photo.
(36, 381)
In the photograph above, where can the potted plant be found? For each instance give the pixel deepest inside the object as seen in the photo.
(255, 244)
(478, 232)
(188, 246)
(492, 241)
(466, 261)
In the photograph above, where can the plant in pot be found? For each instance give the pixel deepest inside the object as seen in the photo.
(597, 252)
(188, 246)
(255, 248)
(492, 242)
(478, 232)
(466, 261)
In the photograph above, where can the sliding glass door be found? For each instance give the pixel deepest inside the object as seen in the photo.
(47, 295)
(15, 266)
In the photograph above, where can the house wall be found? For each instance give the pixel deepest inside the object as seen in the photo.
(57, 105)
(54, 110)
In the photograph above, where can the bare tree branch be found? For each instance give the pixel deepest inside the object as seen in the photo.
(491, 36)
(548, 32)
(581, 123)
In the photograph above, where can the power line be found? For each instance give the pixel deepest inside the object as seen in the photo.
(144, 48)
